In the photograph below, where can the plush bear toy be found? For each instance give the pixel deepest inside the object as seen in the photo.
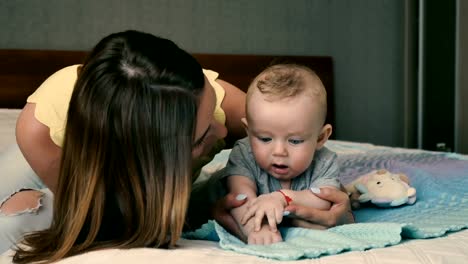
(383, 189)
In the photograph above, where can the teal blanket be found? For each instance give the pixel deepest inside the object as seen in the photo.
(440, 179)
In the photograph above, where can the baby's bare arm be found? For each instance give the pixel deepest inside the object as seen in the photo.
(308, 198)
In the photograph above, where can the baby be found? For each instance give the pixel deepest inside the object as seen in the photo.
(283, 160)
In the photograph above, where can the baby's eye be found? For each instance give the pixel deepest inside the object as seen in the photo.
(296, 141)
(264, 139)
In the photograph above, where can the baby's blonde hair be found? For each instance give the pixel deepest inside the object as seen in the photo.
(282, 81)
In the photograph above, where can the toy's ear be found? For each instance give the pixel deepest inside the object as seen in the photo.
(361, 188)
(404, 178)
(365, 178)
(381, 171)
(324, 135)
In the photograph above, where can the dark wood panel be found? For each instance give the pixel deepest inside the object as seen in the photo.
(22, 71)
(241, 69)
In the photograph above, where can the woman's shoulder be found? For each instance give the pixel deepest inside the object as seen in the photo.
(59, 83)
(219, 113)
(210, 74)
(69, 73)
(52, 99)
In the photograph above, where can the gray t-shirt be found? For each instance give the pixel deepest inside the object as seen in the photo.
(323, 171)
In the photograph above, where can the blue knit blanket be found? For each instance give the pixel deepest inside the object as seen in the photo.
(441, 181)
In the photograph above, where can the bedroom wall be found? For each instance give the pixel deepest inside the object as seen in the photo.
(365, 38)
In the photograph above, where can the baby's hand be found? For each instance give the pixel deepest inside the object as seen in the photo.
(264, 236)
(270, 205)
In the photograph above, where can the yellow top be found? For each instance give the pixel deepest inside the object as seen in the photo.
(53, 97)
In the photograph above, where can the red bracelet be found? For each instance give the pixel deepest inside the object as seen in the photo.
(288, 199)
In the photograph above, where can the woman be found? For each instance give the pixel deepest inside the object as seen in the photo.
(41, 126)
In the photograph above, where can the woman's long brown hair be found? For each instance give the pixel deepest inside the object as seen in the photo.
(125, 174)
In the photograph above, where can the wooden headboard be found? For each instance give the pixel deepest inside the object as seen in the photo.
(22, 71)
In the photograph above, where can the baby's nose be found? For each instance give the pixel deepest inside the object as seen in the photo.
(279, 149)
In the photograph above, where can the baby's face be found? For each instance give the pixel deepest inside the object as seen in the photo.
(283, 134)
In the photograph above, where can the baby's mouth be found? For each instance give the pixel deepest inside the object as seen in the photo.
(280, 168)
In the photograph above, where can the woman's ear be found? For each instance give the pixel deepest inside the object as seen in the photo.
(324, 135)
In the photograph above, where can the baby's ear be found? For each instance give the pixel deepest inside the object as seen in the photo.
(245, 124)
(324, 135)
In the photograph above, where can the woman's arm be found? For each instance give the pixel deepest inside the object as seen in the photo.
(37, 147)
(221, 212)
(245, 186)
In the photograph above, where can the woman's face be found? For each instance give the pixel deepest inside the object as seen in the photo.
(208, 130)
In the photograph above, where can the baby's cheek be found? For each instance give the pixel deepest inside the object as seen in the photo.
(261, 157)
(303, 160)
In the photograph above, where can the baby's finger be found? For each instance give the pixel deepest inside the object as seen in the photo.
(248, 204)
(277, 239)
(279, 216)
(249, 214)
(258, 220)
(251, 240)
(271, 217)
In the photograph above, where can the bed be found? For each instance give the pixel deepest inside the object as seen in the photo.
(437, 235)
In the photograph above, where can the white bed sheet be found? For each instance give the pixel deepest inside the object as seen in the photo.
(450, 249)
(7, 127)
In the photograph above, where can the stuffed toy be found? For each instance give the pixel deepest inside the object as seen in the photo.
(383, 189)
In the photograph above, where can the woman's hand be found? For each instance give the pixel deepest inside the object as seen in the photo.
(339, 213)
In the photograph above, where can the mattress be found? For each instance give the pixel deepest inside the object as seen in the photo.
(449, 248)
